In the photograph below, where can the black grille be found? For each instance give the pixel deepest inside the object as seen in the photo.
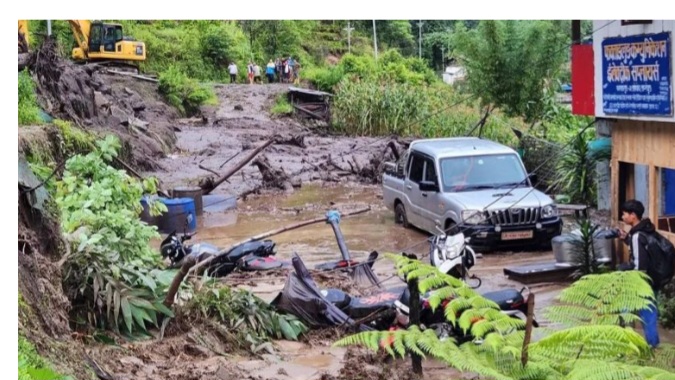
(514, 216)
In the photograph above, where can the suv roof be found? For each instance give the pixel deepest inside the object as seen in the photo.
(458, 146)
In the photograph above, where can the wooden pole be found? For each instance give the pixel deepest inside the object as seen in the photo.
(271, 233)
(237, 167)
(528, 328)
(415, 320)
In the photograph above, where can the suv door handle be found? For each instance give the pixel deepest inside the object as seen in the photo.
(424, 194)
(409, 187)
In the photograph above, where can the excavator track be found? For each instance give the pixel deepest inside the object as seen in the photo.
(117, 65)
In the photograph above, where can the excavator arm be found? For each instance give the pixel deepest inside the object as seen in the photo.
(81, 30)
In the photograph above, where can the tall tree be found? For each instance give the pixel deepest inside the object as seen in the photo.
(511, 64)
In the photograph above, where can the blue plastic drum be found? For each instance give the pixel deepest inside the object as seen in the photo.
(180, 216)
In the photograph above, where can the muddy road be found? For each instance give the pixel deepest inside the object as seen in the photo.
(241, 122)
(238, 124)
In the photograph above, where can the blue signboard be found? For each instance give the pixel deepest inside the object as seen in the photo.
(636, 75)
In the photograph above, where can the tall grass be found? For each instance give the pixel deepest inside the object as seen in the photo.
(29, 112)
(384, 107)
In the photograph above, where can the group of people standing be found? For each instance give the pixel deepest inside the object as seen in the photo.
(281, 70)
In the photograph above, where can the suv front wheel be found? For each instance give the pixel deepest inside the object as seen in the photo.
(400, 216)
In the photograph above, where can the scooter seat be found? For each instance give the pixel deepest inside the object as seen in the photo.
(258, 248)
(337, 297)
(364, 306)
(506, 299)
(261, 263)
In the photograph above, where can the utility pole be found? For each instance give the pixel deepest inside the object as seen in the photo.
(49, 27)
(349, 35)
(375, 38)
(419, 27)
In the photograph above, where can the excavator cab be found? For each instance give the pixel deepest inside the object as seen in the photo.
(105, 37)
(99, 41)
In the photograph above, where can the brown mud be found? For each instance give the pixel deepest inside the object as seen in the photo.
(241, 122)
(98, 101)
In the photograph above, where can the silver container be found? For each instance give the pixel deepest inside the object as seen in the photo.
(563, 247)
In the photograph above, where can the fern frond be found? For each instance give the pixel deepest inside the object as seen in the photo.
(410, 340)
(663, 357)
(420, 272)
(591, 342)
(600, 370)
(476, 360)
(440, 280)
(602, 299)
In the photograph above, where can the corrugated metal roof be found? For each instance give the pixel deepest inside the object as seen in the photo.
(308, 92)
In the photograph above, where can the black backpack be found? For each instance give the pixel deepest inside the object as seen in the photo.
(661, 259)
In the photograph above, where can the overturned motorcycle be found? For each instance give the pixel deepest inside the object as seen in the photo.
(385, 310)
(251, 256)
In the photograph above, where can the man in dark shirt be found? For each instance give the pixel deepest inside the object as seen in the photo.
(636, 239)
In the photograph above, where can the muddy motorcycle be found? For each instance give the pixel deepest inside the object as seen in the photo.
(452, 254)
(251, 256)
(391, 306)
(384, 310)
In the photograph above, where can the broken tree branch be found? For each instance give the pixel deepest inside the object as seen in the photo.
(209, 187)
(273, 232)
(188, 263)
(229, 159)
(141, 77)
(208, 170)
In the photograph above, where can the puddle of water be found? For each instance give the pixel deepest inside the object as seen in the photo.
(374, 230)
(315, 361)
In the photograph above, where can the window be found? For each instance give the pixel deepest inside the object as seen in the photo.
(666, 197)
(119, 35)
(422, 169)
(416, 168)
(633, 184)
(488, 171)
(430, 171)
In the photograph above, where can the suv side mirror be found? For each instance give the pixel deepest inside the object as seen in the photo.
(429, 186)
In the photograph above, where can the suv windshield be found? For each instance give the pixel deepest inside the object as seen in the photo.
(482, 172)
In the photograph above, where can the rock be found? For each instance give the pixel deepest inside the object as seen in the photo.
(207, 152)
(118, 115)
(194, 350)
(105, 89)
(129, 91)
(101, 100)
(136, 103)
(238, 107)
(132, 360)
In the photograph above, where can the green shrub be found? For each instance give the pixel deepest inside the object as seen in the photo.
(29, 112)
(282, 106)
(184, 93)
(32, 366)
(666, 303)
(324, 78)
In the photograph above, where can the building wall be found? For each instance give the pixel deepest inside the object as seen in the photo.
(613, 28)
(649, 147)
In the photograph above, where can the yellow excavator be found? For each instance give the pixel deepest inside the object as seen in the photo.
(97, 42)
(23, 36)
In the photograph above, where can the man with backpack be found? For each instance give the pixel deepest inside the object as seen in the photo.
(651, 253)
